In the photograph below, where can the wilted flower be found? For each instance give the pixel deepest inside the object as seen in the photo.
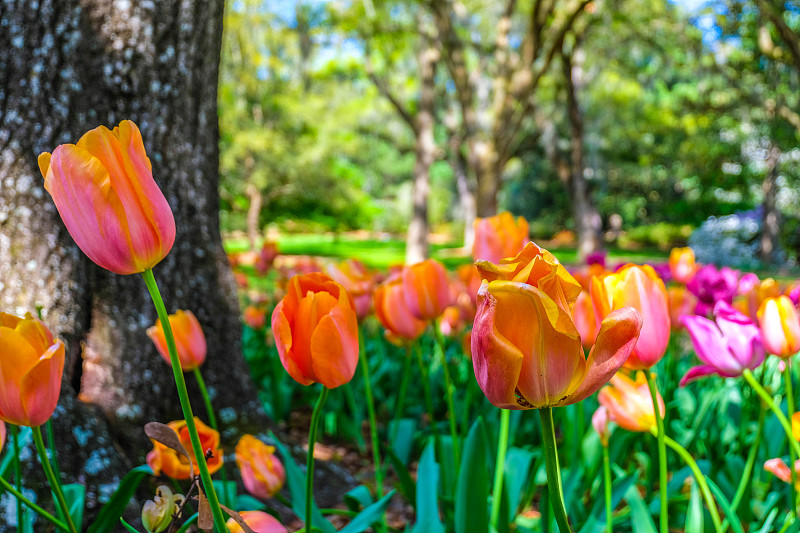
(164, 460)
(262, 472)
(727, 347)
(157, 514)
(190, 342)
(526, 351)
(499, 236)
(31, 364)
(629, 403)
(104, 190)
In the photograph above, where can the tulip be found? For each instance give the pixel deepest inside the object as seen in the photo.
(316, 331)
(498, 237)
(255, 317)
(359, 283)
(780, 326)
(262, 473)
(795, 424)
(31, 364)
(451, 322)
(157, 514)
(682, 264)
(526, 350)
(710, 285)
(681, 302)
(426, 288)
(629, 403)
(190, 341)
(164, 460)
(2, 434)
(104, 190)
(393, 312)
(780, 470)
(469, 276)
(259, 521)
(638, 287)
(585, 321)
(727, 347)
(600, 420)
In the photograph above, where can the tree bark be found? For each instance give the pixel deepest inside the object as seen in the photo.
(68, 67)
(770, 222)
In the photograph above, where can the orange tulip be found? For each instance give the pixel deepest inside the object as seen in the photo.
(262, 473)
(629, 403)
(104, 190)
(641, 288)
(682, 264)
(190, 342)
(780, 326)
(255, 317)
(526, 350)
(316, 331)
(426, 288)
(354, 276)
(469, 276)
(585, 321)
(499, 236)
(259, 521)
(681, 302)
(31, 364)
(166, 461)
(393, 312)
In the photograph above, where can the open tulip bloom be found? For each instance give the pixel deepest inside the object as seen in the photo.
(726, 347)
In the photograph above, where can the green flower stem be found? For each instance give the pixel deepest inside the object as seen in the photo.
(14, 430)
(312, 439)
(748, 467)
(607, 486)
(38, 510)
(373, 432)
(186, 406)
(212, 419)
(787, 380)
(55, 485)
(426, 387)
(662, 452)
(553, 471)
(770, 402)
(448, 383)
(701, 481)
(499, 467)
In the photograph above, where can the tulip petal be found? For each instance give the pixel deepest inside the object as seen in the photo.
(709, 344)
(283, 340)
(41, 386)
(334, 348)
(17, 360)
(701, 371)
(618, 334)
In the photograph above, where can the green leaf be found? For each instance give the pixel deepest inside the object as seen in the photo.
(368, 516)
(75, 496)
(597, 519)
(107, 517)
(515, 478)
(427, 489)
(24, 438)
(186, 525)
(402, 441)
(694, 514)
(640, 516)
(472, 492)
(226, 491)
(245, 502)
(358, 498)
(128, 526)
(297, 488)
(736, 524)
(407, 485)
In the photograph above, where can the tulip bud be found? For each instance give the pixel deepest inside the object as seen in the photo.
(190, 342)
(426, 289)
(262, 472)
(600, 424)
(780, 326)
(157, 514)
(682, 264)
(499, 236)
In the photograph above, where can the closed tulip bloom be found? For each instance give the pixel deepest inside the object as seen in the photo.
(31, 364)
(682, 264)
(157, 513)
(780, 470)
(393, 312)
(426, 287)
(166, 461)
(499, 236)
(104, 190)
(316, 331)
(585, 321)
(641, 288)
(190, 342)
(600, 420)
(629, 403)
(726, 347)
(526, 350)
(780, 326)
(262, 473)
(258, 521)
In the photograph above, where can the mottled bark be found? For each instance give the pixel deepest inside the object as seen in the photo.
(770, 223)
(67, 67)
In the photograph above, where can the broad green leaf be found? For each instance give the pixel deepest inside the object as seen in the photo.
(694, 514)
(407, 485)
(358, 498)
(472, 492)
(640, 515)
(723, 502)
(402, 437)
(427, 493)
(110, 513)
(75, 496)
(368, 516)
(516, 476)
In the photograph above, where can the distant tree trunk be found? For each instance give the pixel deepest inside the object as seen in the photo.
(587, 219)
(769, 226)
(70, 66)
(253, 214)
(425, 151)
(466, 196)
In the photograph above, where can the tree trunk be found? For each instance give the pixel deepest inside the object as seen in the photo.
(769, 226)
(466, 197)
(587, 220)
(68, 67)
(253, 214)
(425, 150)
